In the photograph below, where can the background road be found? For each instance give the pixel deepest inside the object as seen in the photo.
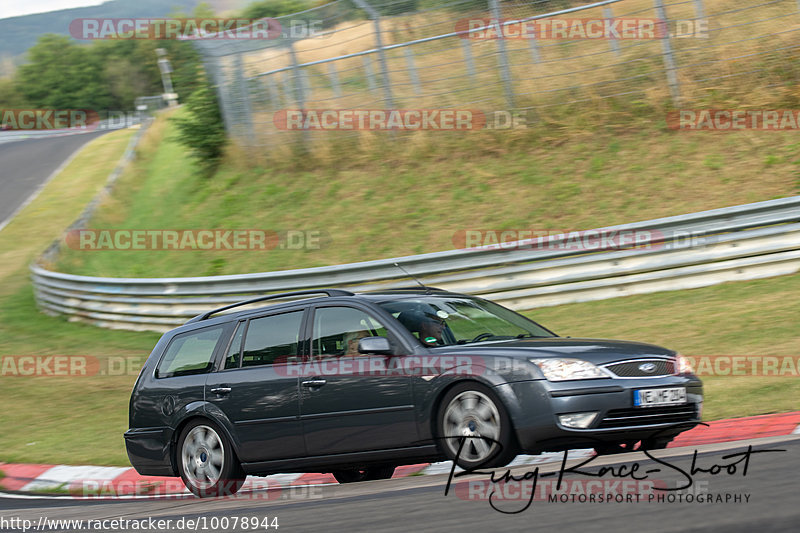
(419, 504)
(26, 164)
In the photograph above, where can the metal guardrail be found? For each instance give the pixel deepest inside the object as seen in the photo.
(733, 243)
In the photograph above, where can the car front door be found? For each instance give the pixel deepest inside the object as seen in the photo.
(347, 403)
(255, 392)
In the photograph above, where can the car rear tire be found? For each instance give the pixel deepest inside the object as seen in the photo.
(206, 462)
(474, 428)
(354, 475)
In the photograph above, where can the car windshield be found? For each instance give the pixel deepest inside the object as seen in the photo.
(448, 320)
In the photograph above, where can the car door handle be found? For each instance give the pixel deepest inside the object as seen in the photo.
(221, 390)
(314, 383)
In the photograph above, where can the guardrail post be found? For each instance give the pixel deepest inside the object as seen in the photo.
(609, 14)
(376, 20)
(502, 57)
(667, 54)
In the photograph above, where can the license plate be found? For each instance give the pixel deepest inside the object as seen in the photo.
(652, 397)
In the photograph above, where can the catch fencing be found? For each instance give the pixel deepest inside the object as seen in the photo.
(446, 54)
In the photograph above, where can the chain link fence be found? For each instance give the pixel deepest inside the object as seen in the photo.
(469, 54)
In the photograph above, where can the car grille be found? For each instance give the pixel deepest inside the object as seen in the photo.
(630, 369)
(642, 416)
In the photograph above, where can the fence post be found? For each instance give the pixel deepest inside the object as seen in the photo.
(700, 12)
(297, 84)
(505, 70)
(608, 14)
(244, 95)
(334, 75)
(368, 70)
(534, 48)
(217, 78)
(376, 20)
(669, 58)
(412, 69)
(466, 48)
(274, 93)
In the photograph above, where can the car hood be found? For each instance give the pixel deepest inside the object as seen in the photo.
(597, 351)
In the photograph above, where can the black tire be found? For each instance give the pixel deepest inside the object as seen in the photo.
(206, 462)
(355, 475)
(462, 425)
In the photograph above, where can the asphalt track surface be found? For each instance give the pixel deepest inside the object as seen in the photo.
(419, 504)
(26, 164)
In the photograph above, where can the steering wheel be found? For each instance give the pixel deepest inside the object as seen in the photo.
(484, 335)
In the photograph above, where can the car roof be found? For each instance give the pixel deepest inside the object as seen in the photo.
(205, 319)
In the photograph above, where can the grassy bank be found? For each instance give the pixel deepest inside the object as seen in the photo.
(60, 419)
(384, 204)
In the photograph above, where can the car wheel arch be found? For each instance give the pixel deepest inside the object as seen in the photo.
(173, 454)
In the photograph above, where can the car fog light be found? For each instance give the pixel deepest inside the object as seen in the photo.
(578, 420)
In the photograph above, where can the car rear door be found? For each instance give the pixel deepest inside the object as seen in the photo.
(254, 391)
(345, 405)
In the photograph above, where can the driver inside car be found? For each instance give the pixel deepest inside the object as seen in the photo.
(428, 329)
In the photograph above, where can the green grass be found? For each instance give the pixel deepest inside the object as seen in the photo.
(58, 419)
(380, 201)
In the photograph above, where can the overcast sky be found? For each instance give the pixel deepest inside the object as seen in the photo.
(14, 8)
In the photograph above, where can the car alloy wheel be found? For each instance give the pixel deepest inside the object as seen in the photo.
(206, 461)
(474, 427)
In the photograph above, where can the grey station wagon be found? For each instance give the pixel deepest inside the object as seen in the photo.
(358, 384)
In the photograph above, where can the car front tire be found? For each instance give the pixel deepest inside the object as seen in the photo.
(474, 428)
(206, 462)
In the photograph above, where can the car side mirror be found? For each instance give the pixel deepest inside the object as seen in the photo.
(375, 345)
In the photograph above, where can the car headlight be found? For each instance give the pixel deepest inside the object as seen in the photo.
(683, 365)
(568, 369)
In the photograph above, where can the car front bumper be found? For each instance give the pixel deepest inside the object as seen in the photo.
(534, 407)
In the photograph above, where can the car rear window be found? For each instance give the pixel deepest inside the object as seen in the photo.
(190, 353)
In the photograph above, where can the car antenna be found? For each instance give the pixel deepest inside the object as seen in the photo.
(412, 276)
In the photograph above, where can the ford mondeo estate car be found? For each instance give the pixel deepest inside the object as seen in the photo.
(357, 384)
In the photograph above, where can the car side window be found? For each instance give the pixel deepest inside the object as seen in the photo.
(337, 331)
(235, 349)
(190, 353)
(272, 339)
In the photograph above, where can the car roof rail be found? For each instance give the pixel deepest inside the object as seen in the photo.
(412, 288)
(327, 292)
